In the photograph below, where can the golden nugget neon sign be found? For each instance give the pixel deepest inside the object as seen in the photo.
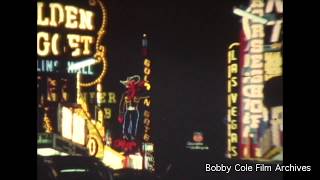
(78, 23)
(69, 17)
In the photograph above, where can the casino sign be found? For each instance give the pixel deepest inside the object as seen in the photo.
(69, 34)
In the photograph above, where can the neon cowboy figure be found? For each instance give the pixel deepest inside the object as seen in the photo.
(128, 107)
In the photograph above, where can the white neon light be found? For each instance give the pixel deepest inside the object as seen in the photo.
(49, 152)
(82, 64)
(72, 170)
(248, 15)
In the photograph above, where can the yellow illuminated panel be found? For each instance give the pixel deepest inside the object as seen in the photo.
(73, 126)
(78, 129)
(66, 123)
(113, 158)
(273, 64)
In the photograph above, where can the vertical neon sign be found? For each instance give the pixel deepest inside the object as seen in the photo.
(147, 145)
(252, 82)
(233, 100)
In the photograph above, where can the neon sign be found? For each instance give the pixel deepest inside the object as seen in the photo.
(104, 100)
(148, 162)
(259, 62)
(147, 101)
(66, 34)
(252, 81)
(129, 114)
(233, 100)
(65, 16)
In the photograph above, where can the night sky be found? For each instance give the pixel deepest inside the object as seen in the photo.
(188, 44)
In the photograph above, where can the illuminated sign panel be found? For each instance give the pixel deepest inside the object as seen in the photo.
(253, 110)
(113, 158)
(233, 100)
(78, 134)
(66, 123)
(260, 61)
(73, 125)
(69, 32)
(198, 142)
